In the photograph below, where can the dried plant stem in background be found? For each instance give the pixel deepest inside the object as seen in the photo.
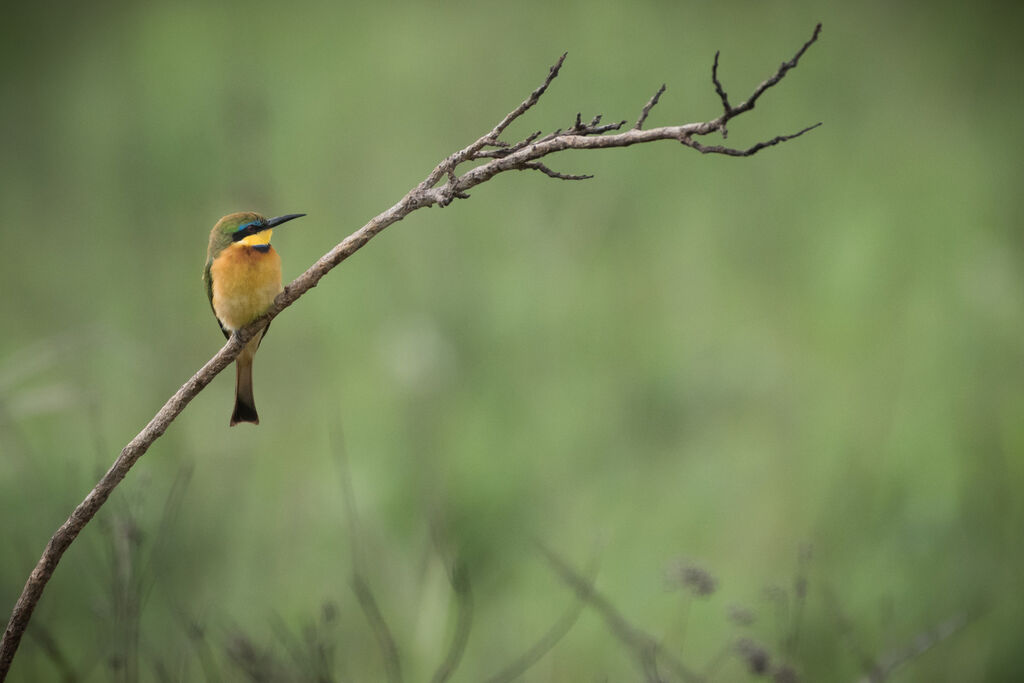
(497, 156)
(360, 585)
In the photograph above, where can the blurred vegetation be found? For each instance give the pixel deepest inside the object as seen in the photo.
(687, 357)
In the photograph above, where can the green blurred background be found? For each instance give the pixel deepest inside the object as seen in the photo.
(723, 360)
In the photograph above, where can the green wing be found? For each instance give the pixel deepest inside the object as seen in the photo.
(208, 281)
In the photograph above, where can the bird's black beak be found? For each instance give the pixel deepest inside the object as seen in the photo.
(260, 227)
(274, 222)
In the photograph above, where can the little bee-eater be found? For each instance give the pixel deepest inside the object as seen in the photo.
(242, 277)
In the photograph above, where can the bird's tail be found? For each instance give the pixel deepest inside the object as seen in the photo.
(245, 405)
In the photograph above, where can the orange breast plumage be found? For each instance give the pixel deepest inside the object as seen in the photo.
(245, 281)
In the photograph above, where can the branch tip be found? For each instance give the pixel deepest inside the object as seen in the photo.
(718, 86)
(537, 166)
(750, 151)
(648, 107)
(779, 74)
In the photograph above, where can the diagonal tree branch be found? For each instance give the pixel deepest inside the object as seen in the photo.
(523, 155)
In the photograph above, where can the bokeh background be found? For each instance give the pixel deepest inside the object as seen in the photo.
(799, 369)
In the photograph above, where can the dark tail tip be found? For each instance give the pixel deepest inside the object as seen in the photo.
(244, 413)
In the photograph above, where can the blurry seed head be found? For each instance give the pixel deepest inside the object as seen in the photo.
(754, 656)
(328, 612)
(687, 576)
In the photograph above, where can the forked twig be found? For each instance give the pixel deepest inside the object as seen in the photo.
(750, 151)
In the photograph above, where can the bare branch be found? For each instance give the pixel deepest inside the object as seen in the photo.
(529, 101)
(750, 151)
(552, 135)
(87, 509)
(537, 166)
(749, 103)
(718, 85)
(511, 157)
(506, 148)
(490, 138)
(650, 105)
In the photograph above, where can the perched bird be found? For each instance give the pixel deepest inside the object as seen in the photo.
(242, 277)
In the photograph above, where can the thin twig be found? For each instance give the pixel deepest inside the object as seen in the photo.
(750, 151)
(425, 194)
(537, 166)
(718, 84)
(650, 105)
(783, 69)
(506, 148)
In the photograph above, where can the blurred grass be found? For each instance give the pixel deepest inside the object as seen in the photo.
(716, 358)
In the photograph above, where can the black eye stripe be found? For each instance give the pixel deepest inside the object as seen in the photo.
(250, 228)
